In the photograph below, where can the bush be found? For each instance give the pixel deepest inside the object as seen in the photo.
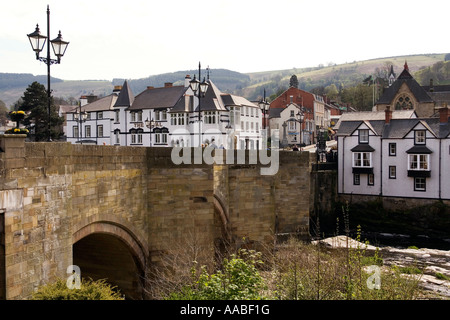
(89, 290)
(239, 279)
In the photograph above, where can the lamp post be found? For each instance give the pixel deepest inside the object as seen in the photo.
(82, 117)
(300, 118)
(37, 42)
(264, 106)
(199, 90)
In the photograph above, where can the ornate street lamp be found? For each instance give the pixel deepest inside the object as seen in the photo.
(264, 106)
(37, 42)
(300, 118)
(199, 90)
(82, 118)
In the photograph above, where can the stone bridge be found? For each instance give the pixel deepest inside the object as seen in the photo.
(113, 211)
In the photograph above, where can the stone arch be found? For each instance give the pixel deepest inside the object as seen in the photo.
(111, 228)
(102, 246)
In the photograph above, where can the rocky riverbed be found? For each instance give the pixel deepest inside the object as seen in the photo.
(434, 263)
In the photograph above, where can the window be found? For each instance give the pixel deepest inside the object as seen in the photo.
(292, 125)
(75, 116)
(117, 136)
(356, 179)
(161, 136)
(370, 179)
(392, 149)
(419, 137)
(117, 116)
(420, 184)
(392, 172)
(139, 136)
(100, 131)
(164, 115)
(363, 135)
(173, 119)
(362, 159)
(157, 115)
(403, 103)
(100, 115)
(292, 113)
(181, 120)
(88, 116)
(75, 132)
(87, 131)
(139, 116)
(419, 162)
(210, 117)
(133, 136)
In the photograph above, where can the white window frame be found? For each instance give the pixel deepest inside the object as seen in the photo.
(419, 162)
(360, 160)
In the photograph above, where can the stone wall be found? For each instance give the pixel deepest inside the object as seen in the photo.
(55, 194)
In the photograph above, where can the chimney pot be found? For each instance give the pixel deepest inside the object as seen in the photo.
(388, 114)
(168, 84)
(443, 114)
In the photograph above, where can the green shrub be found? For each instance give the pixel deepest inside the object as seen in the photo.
(89, 290)
(239, 279)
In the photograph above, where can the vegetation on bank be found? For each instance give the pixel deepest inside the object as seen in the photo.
(89, 290)
(294, 270)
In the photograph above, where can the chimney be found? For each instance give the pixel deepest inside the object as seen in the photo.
(168, 84)
(150, 87)
(117, 88)
(444, 114)
(387, 115)
(187, 79)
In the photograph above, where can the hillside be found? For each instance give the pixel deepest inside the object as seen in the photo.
(249, 85)
(343, 75)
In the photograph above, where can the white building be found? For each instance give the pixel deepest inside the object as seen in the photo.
(90, 123)
(168, 116)
(406, 158)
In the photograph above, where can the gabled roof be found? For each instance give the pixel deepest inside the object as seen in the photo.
(374, 115)
(102, 104)
(214, 100)
(154, 98)
(397, 128)
(126, 96)
(404, 78)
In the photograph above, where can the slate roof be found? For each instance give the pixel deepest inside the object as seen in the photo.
(126, 96)
(214, 100)
(154, 98)
(416, 89)
(102, 104)
(373, 115)
(398, 128)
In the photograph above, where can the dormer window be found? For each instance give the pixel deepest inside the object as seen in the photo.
(419, 137)
(363, 135)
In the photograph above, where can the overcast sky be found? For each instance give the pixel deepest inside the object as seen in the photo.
(136, 38)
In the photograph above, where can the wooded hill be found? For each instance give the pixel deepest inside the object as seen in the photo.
(249, 85)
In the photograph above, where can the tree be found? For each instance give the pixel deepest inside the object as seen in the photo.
(3, 113)
(35, 104)
(293, 82)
